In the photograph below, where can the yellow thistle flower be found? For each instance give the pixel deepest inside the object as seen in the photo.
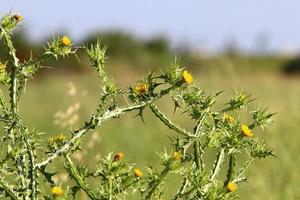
(66, 41)
(57, 191)
(187, 77)
(231, 186)
(119, 156)
(243, 97)
(246, 131)
(141, 89)
(18, 18)
(57, 138)
(138, 173)
(2, 66)
(228, 118)
(176, 155)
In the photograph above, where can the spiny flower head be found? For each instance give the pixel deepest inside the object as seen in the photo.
(231, 186)
(176, 155)
(57, 191)
(138, 173)
(141, 88)
(119, 156)
(228, 118)
(57, 138)
(66, 41)
(18, 18)
(187, 77)
(246, 131)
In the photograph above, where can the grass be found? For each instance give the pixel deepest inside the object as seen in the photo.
(274, 178)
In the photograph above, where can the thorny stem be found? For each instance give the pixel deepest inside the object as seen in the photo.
(156, 184)
(198, 152)
(7, 189)
(32, 171)
(168, 122)
(110, 182)
(13, 99)
(218, 164)
(75, 174)
(231, 165)
(216, 168)
(4, 107)
(15, 64)
(186, 195)
(35, 61)
(242, 170)
(181, 191)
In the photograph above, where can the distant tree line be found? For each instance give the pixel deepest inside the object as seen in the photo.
(152, 52)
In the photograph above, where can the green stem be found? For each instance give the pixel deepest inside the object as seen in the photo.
(230, 171)
(7, 189)
(14, 65)
(167, 121)
(75, 174)
(32, 171)
(181, 191)
(110, 183)
(156, 184)
(36, 61)
(243, 169)
(3, 105)
(197, 154)
(198, 151)
(20, 161)
(218, 164)
(187, 195)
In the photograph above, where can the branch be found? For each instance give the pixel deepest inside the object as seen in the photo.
(231, 165)
(197, 155)
(35, 61)
(154, 186)
(198, 150)
(244, 168)
(217, 165)
(3, 105)
(75, 174)
(7, 189)
(15, 63)
(216, 169)
(168, 122)
(181, 191)
(32, 171)
(13, 93)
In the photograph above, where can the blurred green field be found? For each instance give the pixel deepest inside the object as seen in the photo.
(273, 178)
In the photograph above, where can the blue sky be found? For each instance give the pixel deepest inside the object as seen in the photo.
(197, 22)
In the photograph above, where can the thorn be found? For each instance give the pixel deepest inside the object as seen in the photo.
(140, 114)
(176, 105)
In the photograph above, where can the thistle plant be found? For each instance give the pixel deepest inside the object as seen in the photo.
(26, 161)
